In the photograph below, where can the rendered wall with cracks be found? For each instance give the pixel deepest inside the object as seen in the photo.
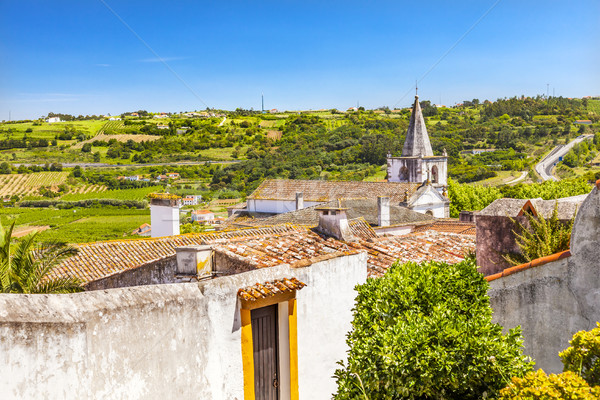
(553, 301)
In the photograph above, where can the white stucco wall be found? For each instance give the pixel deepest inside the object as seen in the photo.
(168, 341)
(324, 318)
(394, 230)
(438, 210)
(276, 206)
(164, 220)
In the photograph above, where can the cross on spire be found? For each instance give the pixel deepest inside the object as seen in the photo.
(416, 87)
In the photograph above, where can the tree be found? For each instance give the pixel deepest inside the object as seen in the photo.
(541, 237)
(425, 331)
(5, 168)
(86, 148)
(26, 267)
(583, 356)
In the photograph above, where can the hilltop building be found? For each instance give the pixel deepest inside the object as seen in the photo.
(418, 164)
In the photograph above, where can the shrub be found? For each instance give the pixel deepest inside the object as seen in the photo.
(583, 357)
(425, 331)
(539, 386)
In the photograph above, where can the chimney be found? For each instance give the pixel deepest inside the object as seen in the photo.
(164, 214)
(383, 211)
(334, 222)
(299, 201)
(194, 261)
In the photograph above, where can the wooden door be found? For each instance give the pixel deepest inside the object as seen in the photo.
(266, 357)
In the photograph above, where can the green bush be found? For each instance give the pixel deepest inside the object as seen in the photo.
(539, 386)
(583, 357)
(425, 331)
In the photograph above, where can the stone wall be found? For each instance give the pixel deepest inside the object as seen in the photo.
(495, 237)
(167, 341)
(553, 301)
(161, 271)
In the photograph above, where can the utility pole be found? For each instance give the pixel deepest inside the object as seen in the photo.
(262, 102)
(547, 90)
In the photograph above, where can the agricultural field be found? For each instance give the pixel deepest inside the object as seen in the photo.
(594, 106)
(122, 194)
(225, 153)
(274, 135)
(28, 184)
(111, 126)
(49, 131)
(78, 225)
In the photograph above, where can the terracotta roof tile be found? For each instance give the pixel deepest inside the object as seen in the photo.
(101, 259)
(366, 208)
(323, 191)
(532, 264)
(463, 228)
(268, 289)
(265, 247)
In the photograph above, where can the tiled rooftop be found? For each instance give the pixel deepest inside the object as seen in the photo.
(322, 191)
(100, 259)
(505, 207)
(447, 226)
(366, 208)
(266, 247)
(269, 289)
(417, 247)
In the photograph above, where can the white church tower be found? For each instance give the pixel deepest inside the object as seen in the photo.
(417, 163)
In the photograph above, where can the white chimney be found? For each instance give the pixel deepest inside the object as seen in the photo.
(334, 222)
(164, 216)
(299, 200)
(194, 260)
(383, 211)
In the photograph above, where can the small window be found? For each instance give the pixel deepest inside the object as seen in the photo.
(434, 174)
(429, 212)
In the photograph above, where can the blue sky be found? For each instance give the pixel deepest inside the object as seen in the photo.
(77, 57)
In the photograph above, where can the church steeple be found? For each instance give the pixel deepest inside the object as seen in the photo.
(417, 140)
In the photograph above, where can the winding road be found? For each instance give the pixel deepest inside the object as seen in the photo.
(544, 167)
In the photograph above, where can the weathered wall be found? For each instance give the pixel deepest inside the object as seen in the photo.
(324, 318)
(416, 168)
(166, 341)
(495, 237)
(161, 271)
(553, 301)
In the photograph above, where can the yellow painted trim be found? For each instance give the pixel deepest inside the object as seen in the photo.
(247, 354)
(293, 332)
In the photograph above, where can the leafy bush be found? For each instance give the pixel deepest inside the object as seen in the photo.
(425, 331)
(542, 237)
(539, 386)
(583, 357)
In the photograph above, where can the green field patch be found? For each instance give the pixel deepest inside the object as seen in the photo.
(224, 153)
(122, 194)
(79, 225)
(119, 138)
(594, 106)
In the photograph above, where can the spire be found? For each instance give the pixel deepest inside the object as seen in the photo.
(417, 140)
